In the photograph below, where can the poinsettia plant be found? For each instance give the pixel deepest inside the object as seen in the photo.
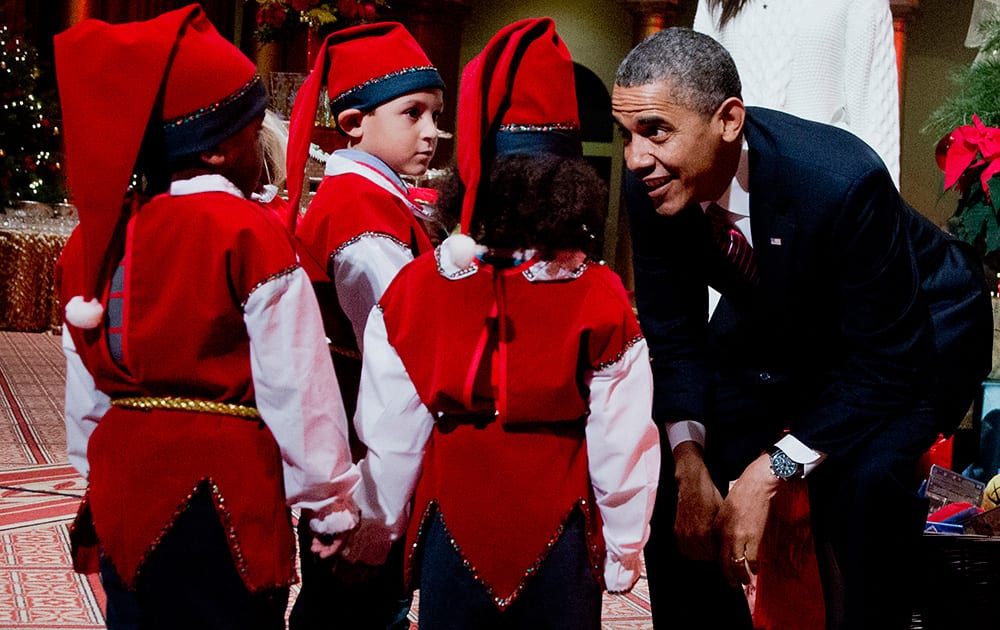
(277, 19)
(969, 156)
(969, 152)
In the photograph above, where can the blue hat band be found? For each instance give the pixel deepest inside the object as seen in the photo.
(558, 142)
(378, 91)
(209, 126)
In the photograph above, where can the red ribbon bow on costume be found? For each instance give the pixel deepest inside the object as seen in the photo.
(422, 196)
(959, 150)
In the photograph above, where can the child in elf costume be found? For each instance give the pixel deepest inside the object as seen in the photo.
(361, 227)
(200, 401)
(506, 387)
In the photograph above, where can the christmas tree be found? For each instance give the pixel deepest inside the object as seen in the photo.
(30, 144)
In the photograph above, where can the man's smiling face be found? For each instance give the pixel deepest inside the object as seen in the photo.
(674, 150)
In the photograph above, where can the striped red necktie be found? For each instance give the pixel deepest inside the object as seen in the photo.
(732, 242)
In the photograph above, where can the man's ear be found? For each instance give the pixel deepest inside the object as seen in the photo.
(731, 115)
(349, 122)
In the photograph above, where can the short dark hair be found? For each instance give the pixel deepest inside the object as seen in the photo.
(538, 201)
(701, 73)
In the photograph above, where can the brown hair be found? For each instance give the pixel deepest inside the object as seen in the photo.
(543, 202)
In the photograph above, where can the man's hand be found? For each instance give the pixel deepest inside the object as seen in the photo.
(740, 523)
(698, 502)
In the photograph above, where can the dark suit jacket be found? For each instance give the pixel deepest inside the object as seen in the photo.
(864, 311)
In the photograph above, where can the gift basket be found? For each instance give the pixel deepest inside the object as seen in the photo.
(961, 577)
(960, 552)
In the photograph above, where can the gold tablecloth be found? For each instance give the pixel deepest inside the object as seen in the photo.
(29, 249)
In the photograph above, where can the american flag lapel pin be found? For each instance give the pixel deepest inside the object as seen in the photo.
(776, 241)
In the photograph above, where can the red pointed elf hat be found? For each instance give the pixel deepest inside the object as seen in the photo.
(517, 96)
(361, 67)
(172, 80)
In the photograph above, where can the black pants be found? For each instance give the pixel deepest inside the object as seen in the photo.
(326, 603)
(685, 593)
(867, 521)
(190, 581)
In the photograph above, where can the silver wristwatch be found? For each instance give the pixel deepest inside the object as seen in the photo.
(783, 466)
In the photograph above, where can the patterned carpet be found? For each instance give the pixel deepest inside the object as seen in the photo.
(39, 494)
(32, 382)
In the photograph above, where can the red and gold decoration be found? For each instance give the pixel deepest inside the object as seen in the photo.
(29, 248)
(278, 19)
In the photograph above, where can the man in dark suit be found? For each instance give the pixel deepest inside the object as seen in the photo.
(844, 341)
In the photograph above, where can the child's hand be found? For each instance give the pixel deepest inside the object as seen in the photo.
(327, 545)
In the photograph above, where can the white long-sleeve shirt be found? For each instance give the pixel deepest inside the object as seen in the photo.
(292, 378)
(622, 452)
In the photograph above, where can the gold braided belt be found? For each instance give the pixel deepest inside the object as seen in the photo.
(147, 403)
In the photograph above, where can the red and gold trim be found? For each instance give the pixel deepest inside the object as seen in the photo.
(271, 278)
(618, 357)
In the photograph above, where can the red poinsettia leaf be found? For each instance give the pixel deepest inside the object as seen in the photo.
(989, 143)
(988, 172)
(960, 154)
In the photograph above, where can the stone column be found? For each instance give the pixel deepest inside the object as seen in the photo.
(79, 10)
(652, 15)
(903, 13)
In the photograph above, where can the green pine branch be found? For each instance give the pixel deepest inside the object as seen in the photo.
(977, 88)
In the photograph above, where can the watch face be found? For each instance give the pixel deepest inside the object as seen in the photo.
(784, 466)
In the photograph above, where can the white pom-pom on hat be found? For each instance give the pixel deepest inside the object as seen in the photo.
(461, 249)
(85, 314)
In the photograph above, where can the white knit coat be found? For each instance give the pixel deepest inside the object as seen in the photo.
(832, 61)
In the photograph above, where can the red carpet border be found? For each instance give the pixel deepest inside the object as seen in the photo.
(39, 495)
